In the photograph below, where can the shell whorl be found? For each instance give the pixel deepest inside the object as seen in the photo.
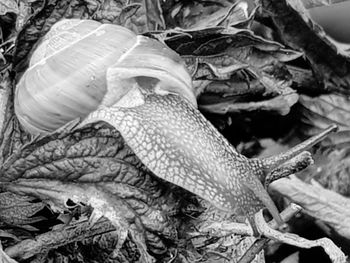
(66, 78)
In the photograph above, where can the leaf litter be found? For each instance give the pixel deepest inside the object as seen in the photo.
(240, 65)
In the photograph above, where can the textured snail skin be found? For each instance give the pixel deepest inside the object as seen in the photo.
(174, 140)
(179, 145)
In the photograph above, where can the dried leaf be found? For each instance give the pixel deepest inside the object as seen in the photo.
(323, 110)
(323, 204)
(241, 49)
(10, 136)
(8, 6)
(217, 40)
(223, 247)
(279, 105)
(94, 166)
(330, 65)
(240, 53)
(218, 55)
(319, 112)
(332, 170)
(19, 210)
(100, 248)
(201, 15)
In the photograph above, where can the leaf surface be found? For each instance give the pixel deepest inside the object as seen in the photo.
(19, 210)
(319, 112)
(233, 58)
(201, 14)
(319, 202)
(93, 166)
(8, 6)
(330, 64)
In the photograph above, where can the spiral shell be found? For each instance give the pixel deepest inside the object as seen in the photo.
(66, 78)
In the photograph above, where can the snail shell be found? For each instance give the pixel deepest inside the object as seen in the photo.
(66, 78)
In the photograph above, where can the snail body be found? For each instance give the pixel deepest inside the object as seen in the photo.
(143, 89)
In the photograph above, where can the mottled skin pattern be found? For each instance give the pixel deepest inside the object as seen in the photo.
(179, 145)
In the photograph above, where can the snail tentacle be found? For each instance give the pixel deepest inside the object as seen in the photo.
(272, 162)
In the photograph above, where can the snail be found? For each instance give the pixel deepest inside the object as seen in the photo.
(105, 72)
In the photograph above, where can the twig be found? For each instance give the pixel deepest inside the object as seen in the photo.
(334, 252)
(259, 244)
(53, 239)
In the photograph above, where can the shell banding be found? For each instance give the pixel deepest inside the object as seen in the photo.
(66, 78)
